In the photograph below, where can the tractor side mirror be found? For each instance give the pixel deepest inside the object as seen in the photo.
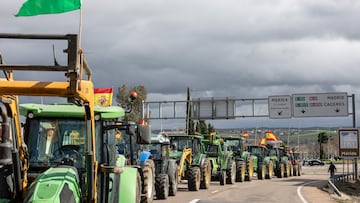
(143, 135)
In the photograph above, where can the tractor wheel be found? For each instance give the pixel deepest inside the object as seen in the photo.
(231, 172)
(280, 170)
(138, 188)
(249, 170)
(287, 170)
(222, 177)
(270, 170)
(162, 186)
(205, 175)
(194, 178)
(240, 171)
(148, 181)
(173, 177)
(261, 171)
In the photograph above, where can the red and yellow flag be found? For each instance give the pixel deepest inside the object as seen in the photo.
(245, 134)
(262, 142)
(270, 136)
(103, 96)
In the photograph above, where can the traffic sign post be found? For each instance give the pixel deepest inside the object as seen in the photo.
(349, 142)
(280, 106)
(320, 105)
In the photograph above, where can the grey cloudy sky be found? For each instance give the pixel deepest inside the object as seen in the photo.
(238, 48)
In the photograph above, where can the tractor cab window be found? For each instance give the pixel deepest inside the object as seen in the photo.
(212, 150)
(196, 146)
(180, 143)
(272, 152)
(255, 151)
(56, 141)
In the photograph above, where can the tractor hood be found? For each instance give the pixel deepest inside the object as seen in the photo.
(59, 184)
(175, 154)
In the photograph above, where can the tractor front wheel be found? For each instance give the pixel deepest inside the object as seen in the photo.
(194, 178)
(162, 186)
(222, 177)
(205, 175)
(240, 171)
(148, 181)
(261, 171)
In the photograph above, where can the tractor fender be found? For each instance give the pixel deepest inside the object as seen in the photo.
(199, 160)
(128, 185)
(245, 155)
(284, 159)
(144, 156)
(266, 161)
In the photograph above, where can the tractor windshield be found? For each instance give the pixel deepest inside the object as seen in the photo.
(56, 141)
(272, 152)
(255, 151)
(234, 145)
(179, 143)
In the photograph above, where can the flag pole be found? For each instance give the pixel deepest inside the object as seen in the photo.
(80, 27)
(80, 54)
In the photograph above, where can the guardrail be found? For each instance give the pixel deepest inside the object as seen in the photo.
(337, 178)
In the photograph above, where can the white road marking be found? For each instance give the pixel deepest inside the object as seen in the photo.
(215, 191)
(301, 186)
(194, 200)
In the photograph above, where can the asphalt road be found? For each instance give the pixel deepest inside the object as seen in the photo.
(298, 189)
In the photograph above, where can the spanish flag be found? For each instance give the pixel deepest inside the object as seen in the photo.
(245, 134)
(262, 142)
(103, 96)
(270, 136)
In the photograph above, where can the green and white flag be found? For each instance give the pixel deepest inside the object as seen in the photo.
(40, 7)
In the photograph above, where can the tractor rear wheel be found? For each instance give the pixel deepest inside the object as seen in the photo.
(299, 170)
(270, 170)
(231, 172)
(287, 169)
(173, 177)
(148, 181)
(280, 170)
(162, 186)
(240, 171)
(261, 171)
(205, 175)
(138, 188)
(194, 178)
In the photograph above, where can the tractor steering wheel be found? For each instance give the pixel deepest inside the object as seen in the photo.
(67, 155)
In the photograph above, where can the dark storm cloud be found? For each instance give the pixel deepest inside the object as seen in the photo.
(217, 48)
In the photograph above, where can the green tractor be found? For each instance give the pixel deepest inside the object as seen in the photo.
(282, 166)
(222, 163)
(166, 176)
(189, 152)
(263, 164)
(58, 159)
(244, 163)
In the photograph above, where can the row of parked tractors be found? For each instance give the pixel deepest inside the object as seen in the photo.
(81, 152)
(203, 158)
